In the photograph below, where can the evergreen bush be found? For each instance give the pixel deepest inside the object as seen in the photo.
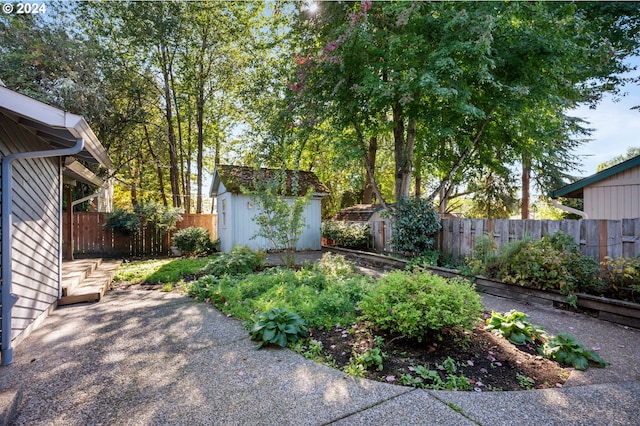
(415, 223)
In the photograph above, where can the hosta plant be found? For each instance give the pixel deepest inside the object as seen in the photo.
(515, 327)
(278, 327)
(564, 349)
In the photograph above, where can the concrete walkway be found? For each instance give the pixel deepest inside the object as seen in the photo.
(150, 358)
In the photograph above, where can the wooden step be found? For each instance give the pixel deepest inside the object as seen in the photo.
(76, 271)
(93, 286)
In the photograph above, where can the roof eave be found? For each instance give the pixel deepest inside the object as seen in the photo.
(575, 190)
(55, 119)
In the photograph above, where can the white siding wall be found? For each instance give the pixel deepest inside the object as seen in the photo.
(617, 197)
(36, 231)
(240, 227)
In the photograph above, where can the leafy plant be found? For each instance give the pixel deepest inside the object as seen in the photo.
(241, 260)
(417, 304)
(373, 357)
(554, 262)
(428, 258)
(431, 379)
(158, 217)
(354, 368)
(622, 272)
(123, 222)
(334, 265)
(278, 326)
(155, 216)
(320, 299)
(415, 222)
(193, 241)
(280, 219)
(348, 234)
(525, 381)
(513, 325)
(564, 349)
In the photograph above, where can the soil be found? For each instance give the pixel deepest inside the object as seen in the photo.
(489, 362)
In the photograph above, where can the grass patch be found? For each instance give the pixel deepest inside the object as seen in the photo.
(159, 271)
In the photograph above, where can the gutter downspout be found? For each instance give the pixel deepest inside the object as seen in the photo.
(75, 203)
(569, 209)
(9, 299)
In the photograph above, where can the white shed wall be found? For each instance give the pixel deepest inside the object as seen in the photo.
(36, 230)
(617, 197)
(240, 227)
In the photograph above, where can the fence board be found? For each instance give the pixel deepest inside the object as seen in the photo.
(92, 238)
(596, 238)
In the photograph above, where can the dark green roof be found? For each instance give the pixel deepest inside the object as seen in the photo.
(237, 178)
(576, 189)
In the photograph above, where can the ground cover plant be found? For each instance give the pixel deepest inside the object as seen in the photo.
(448, 348)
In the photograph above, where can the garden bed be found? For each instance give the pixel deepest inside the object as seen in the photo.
(617, 311)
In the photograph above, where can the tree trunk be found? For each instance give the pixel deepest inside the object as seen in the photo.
(369, 168)
(526, 182)
(174, 173)
(200, 149)
(403, 150)
(367, 198)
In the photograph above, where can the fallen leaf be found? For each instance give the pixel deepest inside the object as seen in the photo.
(391, 378)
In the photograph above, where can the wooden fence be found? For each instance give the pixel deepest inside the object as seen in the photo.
(597, 238)
(92, 238)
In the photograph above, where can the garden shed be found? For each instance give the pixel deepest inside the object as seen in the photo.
(613, 193)
(360, 213)
(236, 208)
(42, 149)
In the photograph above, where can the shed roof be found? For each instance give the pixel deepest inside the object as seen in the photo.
(576, 189)
(358, 213)
(237, 178)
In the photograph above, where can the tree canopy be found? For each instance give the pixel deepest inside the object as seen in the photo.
(382, 100)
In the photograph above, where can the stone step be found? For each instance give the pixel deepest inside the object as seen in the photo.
(93, 286)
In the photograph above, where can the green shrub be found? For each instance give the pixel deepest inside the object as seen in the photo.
(483, 256)
(421, 304)
(334, 265)
(123, 222)
(241, 260)
(351, 235)
(278, 327)
(193, 241)
(415, 222)
(622, 272)
(554, 262)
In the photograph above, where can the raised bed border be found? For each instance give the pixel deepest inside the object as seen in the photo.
(612, 310)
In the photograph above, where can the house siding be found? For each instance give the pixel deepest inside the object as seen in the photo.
(36, 231)
(614, 198)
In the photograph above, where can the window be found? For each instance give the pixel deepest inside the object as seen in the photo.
(224, 212)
